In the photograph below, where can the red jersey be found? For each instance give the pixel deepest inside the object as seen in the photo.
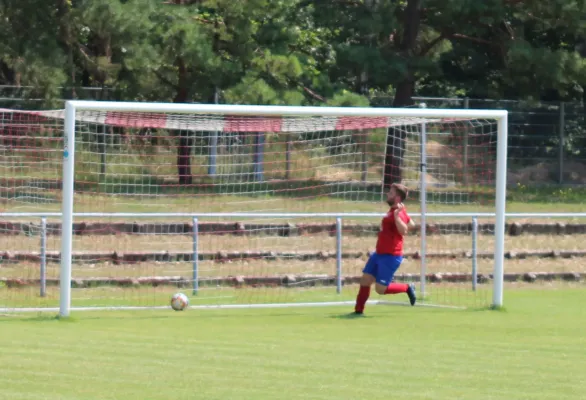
(390, 241)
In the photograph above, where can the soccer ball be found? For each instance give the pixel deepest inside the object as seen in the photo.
(179, 302)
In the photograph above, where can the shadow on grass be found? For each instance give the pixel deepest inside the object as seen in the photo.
(144, 315)
(37, 317)
(350, 315)
(93, 315)
(489, 308)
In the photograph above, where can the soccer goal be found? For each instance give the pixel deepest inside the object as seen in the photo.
(121, 205)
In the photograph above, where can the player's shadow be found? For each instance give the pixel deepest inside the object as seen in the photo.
(350, 315)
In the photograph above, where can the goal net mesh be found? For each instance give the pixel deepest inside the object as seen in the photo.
(145, 163)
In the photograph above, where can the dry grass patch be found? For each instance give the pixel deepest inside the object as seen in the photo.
(314, 243)
(351, 267)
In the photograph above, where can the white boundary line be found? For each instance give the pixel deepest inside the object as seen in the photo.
(227, 306)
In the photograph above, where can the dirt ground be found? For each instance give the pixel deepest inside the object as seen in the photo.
(261, 268)
(322, 242)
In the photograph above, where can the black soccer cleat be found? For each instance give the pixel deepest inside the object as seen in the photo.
(411, 294)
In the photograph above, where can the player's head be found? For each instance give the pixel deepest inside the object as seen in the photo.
(397, 194)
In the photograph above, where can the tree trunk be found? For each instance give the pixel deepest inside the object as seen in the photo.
(184, 158)
(403, 96)
(185, 140)
(182, 90)
(6, 74)
(396, 137)
(584, 104)
(394, 157)
(66, 38)
(582, 51)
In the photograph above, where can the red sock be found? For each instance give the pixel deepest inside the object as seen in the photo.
(363, 295)
(395, 288)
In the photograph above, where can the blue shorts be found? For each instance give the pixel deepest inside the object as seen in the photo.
(383, 267)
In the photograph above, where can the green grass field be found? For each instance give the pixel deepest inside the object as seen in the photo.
(535, 349)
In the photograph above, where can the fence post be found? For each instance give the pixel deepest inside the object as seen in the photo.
(465, 140)
(102, 138)
(338, 255)
(562, 128)
(195, 256)
(288, 148)
(213, 156)
(423, 208)
(43, 278)
(364, 160)
(258, 156)
(213, 151)
(474, 252)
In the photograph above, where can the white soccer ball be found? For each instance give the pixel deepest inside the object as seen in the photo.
(179, 302)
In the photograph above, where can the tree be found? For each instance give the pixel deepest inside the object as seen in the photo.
(30, 52)
(495, 47)
(166, 59)
(295, 52)
(260, 42)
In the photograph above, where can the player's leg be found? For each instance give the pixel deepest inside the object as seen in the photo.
(387, 267)
(368, 278)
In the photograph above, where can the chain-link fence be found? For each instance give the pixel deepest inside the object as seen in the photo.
(30, 98)
(547, 140)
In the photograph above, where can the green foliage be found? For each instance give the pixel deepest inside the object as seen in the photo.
(348, 99)
(535, 70)
(295, 52)
(268, 82)
(521, 193)
(30, 50)
(520, 50)
(299, 52)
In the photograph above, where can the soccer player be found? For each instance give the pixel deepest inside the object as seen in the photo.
(384, 262)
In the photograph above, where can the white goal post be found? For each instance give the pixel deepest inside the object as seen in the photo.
(72, 108)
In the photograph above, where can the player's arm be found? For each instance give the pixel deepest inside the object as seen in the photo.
(402, 226)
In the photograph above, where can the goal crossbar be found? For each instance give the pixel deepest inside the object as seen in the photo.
(256, 110)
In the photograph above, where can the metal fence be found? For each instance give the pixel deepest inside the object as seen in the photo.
(547, 140)
(29, 98)
(534, 228)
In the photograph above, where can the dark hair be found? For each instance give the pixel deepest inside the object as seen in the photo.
(401, 190)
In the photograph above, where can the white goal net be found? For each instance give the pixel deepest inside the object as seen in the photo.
(237, 205)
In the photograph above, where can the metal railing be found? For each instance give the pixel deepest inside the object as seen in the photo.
(339, 218)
